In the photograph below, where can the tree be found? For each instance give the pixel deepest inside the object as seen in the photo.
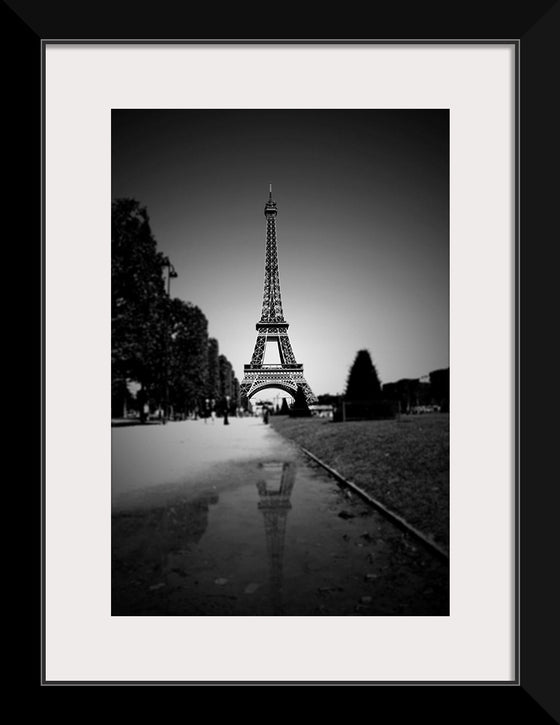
(139, 305)
(226, 375)
(188, 364)
(284, 410)
(235, 401)
(439, 384)
(363, 383)
(300, 408)
(226, 382)
(391, 392)
(408, 393)
(213, 383)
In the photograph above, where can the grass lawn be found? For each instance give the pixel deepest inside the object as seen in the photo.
(403, 463)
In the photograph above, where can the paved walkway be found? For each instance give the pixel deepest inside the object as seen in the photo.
(232, 520)
(145, 459)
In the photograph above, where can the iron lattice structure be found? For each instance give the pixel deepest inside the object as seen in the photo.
(272, 327)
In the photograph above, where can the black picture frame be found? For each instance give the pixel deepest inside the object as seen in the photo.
(535, 32)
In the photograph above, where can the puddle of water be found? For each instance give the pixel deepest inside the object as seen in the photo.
(269, 538)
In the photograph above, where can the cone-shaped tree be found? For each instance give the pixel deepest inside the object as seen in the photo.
(363, 383)
(284, 410)
(300, 407)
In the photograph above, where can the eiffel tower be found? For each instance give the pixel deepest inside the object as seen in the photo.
(272, 327)
(275, 505)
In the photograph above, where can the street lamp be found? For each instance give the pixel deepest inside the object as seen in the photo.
(171, 274)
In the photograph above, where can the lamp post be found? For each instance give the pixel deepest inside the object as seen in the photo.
(171, 274)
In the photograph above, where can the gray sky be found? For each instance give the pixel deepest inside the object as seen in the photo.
(362, 227)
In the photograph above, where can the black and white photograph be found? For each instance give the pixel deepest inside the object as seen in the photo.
(281, 279)
(280, 362)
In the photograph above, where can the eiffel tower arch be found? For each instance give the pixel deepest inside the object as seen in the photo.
(272, 327)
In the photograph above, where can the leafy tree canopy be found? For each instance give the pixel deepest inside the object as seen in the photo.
(188, 359)
(138, 299)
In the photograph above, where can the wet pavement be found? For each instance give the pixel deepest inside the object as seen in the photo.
(261, 532)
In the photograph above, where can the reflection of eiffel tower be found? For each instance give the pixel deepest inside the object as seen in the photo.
(275, 505)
